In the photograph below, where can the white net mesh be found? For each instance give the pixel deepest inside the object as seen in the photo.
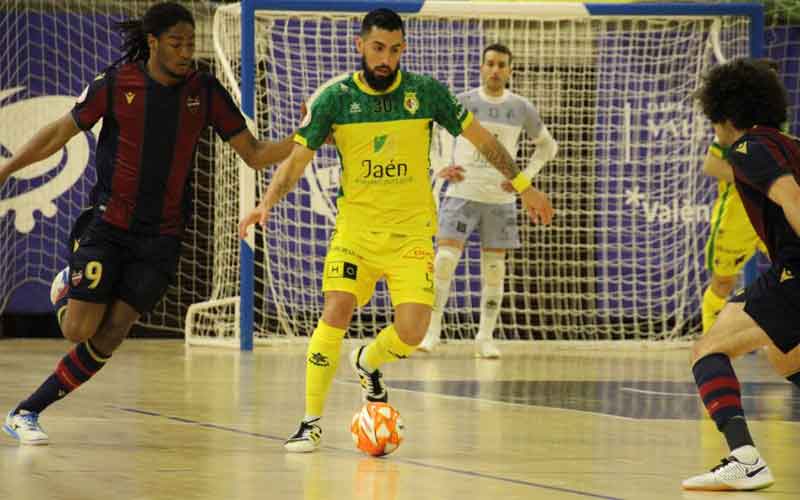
(623, 258)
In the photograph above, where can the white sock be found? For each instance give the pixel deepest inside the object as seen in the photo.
(747, 454)
(444, 266)
(493, 271)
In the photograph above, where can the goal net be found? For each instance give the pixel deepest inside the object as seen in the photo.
(623, 258)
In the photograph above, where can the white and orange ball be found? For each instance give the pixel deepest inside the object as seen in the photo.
(377, 429)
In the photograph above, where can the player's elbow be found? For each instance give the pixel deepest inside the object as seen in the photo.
(552, 151)
(791, 202)
(251, 162)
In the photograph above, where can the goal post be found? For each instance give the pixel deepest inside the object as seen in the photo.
(613, 83)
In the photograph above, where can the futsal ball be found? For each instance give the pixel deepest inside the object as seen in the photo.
(377, 429)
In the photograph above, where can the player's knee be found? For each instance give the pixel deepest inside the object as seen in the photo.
(493, 267)
(446, 261)
(702, 348)
(411, 330)
(75, 330)
(111, 335)
(338, 309)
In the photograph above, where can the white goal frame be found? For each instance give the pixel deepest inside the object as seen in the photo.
(512, 10)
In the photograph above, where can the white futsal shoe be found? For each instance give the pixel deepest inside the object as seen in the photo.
(743, 470)
(24, 427)
(306, 439)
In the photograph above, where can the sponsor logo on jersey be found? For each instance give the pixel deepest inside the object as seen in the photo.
(742, 148)
(410, 102)
(786, 274)
(419, 253)
(355, 108)
(378, 142)
(130, 96)
(193, 104)
(374, 170)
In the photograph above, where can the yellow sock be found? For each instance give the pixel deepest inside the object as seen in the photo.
(712, 305)
(386, 347)
(321, 361)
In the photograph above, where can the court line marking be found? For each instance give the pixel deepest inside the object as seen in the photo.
(687, 394)
(417, 463)
(496, 402)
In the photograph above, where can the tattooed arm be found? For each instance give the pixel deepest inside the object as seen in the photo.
(534, 201)
(491, 149)
(283, 181)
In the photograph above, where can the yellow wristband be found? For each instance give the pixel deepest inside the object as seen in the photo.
(718, 151)
(521, 182)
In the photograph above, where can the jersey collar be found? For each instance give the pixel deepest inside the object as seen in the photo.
(368, 90)
(492, 99)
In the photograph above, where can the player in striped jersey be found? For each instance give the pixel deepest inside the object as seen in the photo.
(732, 241)
(746, 104)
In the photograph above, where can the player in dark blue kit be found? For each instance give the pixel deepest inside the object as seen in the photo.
(746, 104)
(155, 107)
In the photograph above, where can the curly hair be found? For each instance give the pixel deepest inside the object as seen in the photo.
(158, 19)
(747, 92)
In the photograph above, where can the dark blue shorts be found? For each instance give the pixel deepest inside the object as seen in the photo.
(773, 301)
(111, 263)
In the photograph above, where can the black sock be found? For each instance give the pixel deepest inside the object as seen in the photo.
(795, 379)
(719, 388)
(78, 366)
(736, 433)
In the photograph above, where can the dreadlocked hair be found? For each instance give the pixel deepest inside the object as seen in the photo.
(158, 19)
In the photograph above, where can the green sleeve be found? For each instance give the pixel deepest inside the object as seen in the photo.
(448, 110)
(316, 125)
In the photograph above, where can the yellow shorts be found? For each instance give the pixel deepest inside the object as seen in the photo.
(732, 241)
(356, 260)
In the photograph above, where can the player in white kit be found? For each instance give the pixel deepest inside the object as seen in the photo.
(479, 198)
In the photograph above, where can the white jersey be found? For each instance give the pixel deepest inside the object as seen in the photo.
(505, 117)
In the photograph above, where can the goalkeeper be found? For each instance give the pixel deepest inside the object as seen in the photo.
(479, 199)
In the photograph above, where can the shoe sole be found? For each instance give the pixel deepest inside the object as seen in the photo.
(725, 487)
(300, 447)
(40, 442)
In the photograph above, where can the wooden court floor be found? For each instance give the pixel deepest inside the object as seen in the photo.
(545, 422)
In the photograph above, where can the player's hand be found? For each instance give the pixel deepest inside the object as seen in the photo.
(259, 215)
(538, 205)
(453, 173)
(507, 187)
